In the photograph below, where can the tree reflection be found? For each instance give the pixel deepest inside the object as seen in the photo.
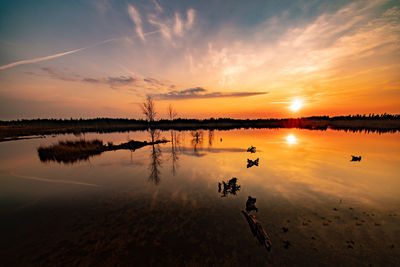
(155, 157)
(175, 148)
(210, 138)
(197, 140)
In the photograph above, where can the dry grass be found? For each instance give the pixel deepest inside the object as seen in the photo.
(71, 151)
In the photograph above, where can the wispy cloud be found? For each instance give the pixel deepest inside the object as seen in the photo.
(178, 28)
(113, 81)
(154, 82)
(171, 25)
(67, 74)
(163, 27)
(135, 16)
(190, 18)
(199, 93)
(181, 25)
(131, 82)
(157, 6)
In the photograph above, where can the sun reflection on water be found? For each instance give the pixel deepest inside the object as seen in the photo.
(291, 139)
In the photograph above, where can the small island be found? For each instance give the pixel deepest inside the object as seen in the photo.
(73, 151)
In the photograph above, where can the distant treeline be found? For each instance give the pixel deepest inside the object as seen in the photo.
(368, 123)
(105, 121)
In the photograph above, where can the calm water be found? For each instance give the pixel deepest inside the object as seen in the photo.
(160, 205)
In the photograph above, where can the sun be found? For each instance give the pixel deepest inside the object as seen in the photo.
(296, 105)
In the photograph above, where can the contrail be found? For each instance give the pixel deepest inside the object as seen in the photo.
(51, 180)
(39, 59)
(34, 60)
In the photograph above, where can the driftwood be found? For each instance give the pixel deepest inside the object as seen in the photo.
(251, 204)
(258, 231)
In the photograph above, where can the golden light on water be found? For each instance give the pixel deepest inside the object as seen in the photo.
(291, 139)
(296, 105)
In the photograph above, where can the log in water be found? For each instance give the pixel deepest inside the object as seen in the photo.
(258, 231)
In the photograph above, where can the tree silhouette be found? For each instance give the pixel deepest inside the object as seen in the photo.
(148, 109)
(171, 112)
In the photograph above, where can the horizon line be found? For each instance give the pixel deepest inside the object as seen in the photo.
(211, 118)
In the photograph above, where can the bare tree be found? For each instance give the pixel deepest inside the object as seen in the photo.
(171, 112)
(148, 109)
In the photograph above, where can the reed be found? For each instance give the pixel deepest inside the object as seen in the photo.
(71, 151)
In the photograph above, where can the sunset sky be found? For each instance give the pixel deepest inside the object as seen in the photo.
(239, 59)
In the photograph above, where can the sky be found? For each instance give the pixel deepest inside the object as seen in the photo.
(238, 59)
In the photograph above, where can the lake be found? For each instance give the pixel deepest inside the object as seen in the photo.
(166, 204)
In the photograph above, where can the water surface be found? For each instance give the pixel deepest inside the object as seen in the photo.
(160, 204)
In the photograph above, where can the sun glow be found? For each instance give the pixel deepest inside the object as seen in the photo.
(296, 105)
(291, 139)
